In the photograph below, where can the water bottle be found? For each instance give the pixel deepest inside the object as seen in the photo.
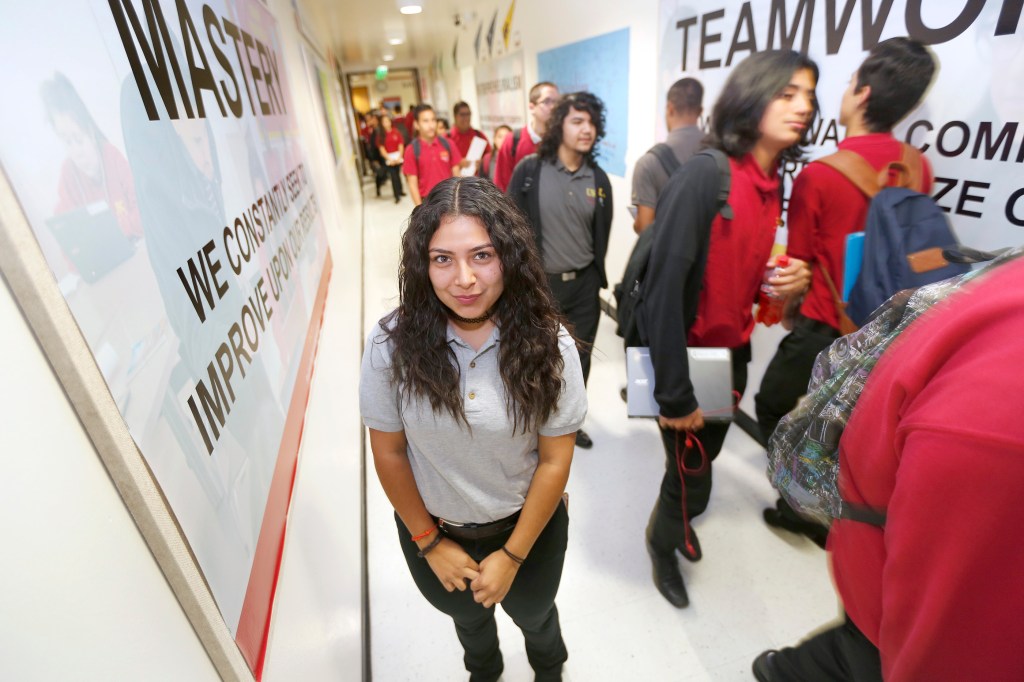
(769, 304)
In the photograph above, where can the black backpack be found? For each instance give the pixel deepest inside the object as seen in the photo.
(666, 157)
(416, 147)
(628, 292)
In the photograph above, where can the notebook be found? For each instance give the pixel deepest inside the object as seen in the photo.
(710, 374)
(91, 239)
(854, 256)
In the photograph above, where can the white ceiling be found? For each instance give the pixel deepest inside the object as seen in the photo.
(363, 28)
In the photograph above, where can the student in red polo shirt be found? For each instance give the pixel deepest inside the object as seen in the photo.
(463, 133)
(825, 207)
(429, 159)
(523, 142)
(391, 146)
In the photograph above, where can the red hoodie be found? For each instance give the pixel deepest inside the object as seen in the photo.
(937, 440)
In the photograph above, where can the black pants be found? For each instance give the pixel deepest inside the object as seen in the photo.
(840, 654)
(578, 300)
(530, 602)
(668, 527)
(785, 380)
(396, 178)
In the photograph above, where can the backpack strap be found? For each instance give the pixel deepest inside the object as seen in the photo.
(724, 180)
(445, 144)
(416, 149)
(516, 135)
(666, 157)
(907, 172)
(856, 169)
(846, 324)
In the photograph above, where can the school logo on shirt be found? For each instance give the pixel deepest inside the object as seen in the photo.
(444, 156)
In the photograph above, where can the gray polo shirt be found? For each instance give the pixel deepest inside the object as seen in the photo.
(649, 175)
(463, 476)
(567, 203)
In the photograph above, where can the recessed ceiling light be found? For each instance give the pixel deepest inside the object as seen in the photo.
(388, 57)
(410, 9)
(395, 41)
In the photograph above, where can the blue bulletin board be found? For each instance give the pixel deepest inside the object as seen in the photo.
(599, 65)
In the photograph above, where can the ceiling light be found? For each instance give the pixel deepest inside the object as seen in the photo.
(409, 7)
(395, 41)
(388, 57)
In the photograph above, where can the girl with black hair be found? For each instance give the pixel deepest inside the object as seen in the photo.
(704, 274)
(473, 392)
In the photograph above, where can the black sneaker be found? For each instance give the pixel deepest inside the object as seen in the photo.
(783, 516)
(764, 668)
(583, 440)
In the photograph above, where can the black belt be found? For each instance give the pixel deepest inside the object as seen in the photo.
(478, 531)
(570, 275)
(815, 326)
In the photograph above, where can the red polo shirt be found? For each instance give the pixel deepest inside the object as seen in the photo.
(392, 141)
(434, 165)
(737, 254)
(506, 163)
(463, 140)
(825, 207)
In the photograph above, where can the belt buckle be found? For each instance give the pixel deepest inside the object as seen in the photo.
(568, 276)
(445, 522)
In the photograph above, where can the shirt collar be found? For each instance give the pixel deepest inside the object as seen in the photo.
(533, 134)
(494, 338)
(583, 171)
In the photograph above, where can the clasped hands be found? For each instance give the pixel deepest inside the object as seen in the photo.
(490, 580)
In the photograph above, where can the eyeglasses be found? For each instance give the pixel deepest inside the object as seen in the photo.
(548, 102)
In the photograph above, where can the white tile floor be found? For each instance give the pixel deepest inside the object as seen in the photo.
(754, 589)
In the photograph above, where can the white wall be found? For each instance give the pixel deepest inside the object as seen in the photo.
(82, 597)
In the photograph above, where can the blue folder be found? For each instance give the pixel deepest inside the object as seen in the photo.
(851, 264)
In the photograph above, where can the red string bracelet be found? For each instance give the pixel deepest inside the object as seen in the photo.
(426, 533)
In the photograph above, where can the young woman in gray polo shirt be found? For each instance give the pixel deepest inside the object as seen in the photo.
(472, 391)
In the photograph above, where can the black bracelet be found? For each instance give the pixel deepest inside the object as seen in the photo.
(519, 560)
(429, 548)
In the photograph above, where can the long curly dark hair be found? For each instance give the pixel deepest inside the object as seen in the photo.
(529, 358)
(580, 101)
(751, 87)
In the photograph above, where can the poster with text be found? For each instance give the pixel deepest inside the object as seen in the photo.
(968, 125)
(155, 153)
(500, 93)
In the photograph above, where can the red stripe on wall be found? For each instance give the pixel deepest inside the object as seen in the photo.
(254, 623)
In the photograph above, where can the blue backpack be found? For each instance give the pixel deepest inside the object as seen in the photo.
(905, 233)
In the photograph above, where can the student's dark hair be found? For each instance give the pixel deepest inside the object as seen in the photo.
(751, 87)
(529, 358)
(421, 108)
(580, 101)
(444, 122)
(459, 106)
(502, 127)
(535, 90)
(686, 96)
(60, 97)
(898, 71)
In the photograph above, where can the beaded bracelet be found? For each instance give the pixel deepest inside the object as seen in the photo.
(518, 559)
(427, 532)
(429, 548)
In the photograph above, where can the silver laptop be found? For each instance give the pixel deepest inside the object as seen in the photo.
(710, 374)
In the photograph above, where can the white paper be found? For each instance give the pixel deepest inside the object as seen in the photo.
(476, 149)
(394, 156)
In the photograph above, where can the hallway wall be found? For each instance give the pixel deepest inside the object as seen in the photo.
(83, 597)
